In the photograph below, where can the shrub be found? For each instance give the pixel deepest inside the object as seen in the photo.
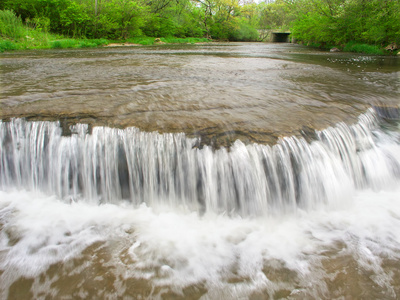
(244, 33)
(61, 44)
(7, 45)
(72, 43)
(142, 40)
(363, 48)
(10, 25)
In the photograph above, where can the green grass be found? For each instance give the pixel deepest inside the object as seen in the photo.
(363, 48)
(7, 45)
(77, 43)
(352, 47)
(62, 44)
(14, 35)
(10, 25)
(144, 40)
(174, 40)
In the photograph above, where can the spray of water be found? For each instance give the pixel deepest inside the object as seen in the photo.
(298, 219)
(110, 165)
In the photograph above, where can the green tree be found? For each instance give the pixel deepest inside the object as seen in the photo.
(61, 16)
(341, 21)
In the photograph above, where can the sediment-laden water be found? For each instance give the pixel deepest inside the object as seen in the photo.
(219, 92)
(254, 199)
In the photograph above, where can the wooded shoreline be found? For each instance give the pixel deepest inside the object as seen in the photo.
(348, 25)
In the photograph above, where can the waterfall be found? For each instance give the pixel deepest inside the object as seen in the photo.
(108, 165)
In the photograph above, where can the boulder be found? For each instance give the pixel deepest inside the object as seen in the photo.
(158, 41)
(335, 50)
(392, 47)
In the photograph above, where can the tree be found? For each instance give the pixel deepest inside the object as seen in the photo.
(120, 19)
(341, 21)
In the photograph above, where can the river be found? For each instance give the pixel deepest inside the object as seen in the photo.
(214, 171)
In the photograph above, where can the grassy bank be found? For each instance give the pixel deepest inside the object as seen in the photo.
(354, 47)
(14, 35)
(49, 41)
(364, 48)
(144, 40)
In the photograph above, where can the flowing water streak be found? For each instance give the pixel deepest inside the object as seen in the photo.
(109, 165)
(327, 226)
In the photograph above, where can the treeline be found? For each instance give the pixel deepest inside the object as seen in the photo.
(323, 22)
(123, 19)
(337, 22)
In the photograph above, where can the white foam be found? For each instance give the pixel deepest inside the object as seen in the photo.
(182, 248)
(210, 217)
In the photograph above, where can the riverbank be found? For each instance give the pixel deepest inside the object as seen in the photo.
(34, 39)
(355, 47)
(15, 35)
(40, 40)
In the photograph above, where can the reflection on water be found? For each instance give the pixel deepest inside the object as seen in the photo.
(254, 92)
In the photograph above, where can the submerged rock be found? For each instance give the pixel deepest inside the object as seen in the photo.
(387, 112)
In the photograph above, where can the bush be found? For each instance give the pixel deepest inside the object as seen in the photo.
(174, 40)
(72, 43)
(142, 40)
(10, 25)
(62, 44)
(363, 48)
(7, 45)
(159, 26)
(245, 33)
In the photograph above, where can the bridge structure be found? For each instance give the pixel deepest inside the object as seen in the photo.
(280, 37)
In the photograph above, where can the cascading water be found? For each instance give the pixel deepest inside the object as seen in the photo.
(109, 165)
(299, 219)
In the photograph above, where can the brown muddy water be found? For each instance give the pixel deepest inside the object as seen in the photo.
(216, 171)
(221, 92)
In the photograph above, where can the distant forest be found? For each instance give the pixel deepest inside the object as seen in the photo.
(327, 22)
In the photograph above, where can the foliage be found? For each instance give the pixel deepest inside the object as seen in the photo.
(244, 32)
(174, 40)
(73, 43)
(142, 40)
(120, 19)
(337, 22)
(60, 16)
(363, 48)
(276, 15)
(159, 26)
(124, 19)
(323, 22)
(10, 25)
(7, 45)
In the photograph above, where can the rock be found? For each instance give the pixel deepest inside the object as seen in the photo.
(392, 47)
(387, 112)
(335, 50)
(158, 41)
(308, 133)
